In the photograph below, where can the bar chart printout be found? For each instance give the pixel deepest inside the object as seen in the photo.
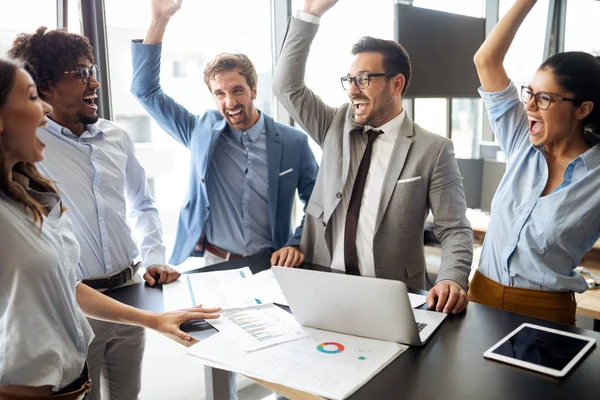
(253, 328)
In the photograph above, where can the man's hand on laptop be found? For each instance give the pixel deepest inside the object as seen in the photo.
(447, 296)
(161, 274)
(289, 256)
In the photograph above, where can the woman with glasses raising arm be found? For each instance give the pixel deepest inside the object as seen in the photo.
(545, 213)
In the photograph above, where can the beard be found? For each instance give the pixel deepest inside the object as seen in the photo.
(84, 119)
(380, 115)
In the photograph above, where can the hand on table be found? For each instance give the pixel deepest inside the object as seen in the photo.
(169, 323)
(161, 274)
(447, 296)
(289, 256)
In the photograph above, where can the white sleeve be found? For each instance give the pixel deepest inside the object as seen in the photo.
(306, 17)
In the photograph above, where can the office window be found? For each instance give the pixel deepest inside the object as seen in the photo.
(24, 16)
(199, 31)
(471, 8)
(74, 16)
(432, 114)
(526, 53)
(466, 127)
(581, 28)
(138, 127)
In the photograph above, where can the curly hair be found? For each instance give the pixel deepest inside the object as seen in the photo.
(12, 189)
(48, 54)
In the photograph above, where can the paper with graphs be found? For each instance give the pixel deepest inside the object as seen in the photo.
(253, 328)
(328, 364)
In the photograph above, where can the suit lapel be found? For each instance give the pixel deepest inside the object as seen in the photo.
(217, 130)
(274, 150)
(395, 166)
(341, 169)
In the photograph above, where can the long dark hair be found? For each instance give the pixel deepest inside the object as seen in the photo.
(12, 189)
(579, 73)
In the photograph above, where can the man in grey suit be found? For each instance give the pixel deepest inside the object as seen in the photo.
(380, 173)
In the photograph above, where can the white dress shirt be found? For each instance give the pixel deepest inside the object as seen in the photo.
(365, 232)
(102, 184)
(44, 335)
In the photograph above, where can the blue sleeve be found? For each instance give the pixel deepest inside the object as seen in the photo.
(175, 119)
(508, 118)
(308, 175)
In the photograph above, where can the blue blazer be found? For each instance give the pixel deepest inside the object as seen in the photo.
(287, 148)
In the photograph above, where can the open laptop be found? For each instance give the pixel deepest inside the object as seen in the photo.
(356, 305)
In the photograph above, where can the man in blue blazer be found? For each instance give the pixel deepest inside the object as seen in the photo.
(245, 166)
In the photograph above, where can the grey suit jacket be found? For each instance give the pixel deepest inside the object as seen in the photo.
(404, 203)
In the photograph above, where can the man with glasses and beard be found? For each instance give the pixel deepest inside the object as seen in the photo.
(380, 174)
(101, 183)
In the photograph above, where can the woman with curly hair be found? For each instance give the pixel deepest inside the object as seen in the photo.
(44, 335)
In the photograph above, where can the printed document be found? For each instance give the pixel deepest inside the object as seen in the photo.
(262, 286)
(254, 328)
(328, 364)
(205, 288)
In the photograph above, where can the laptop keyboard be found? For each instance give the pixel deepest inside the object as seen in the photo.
(420, 326)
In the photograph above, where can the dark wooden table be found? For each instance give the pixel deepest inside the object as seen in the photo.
(450, 366)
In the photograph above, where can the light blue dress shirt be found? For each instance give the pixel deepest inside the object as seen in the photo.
(102, 184)
(238, 187)
(44, 335)
(535, 242)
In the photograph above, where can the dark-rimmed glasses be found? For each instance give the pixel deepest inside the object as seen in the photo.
(361, 81)
(542, 99)
(84, 73)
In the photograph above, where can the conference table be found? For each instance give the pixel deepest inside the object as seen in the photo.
(449, 366)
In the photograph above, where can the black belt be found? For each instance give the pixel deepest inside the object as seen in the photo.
(113, 280)
(78, 389)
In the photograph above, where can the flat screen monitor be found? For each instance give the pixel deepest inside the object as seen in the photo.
(441, 47)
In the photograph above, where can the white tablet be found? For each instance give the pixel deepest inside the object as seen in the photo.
(541, 349)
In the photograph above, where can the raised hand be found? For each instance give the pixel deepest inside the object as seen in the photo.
(165, 8)
(318, 7)
(162, 11)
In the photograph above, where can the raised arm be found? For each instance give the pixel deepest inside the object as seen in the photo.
(162, 11)
(304, 106)
(490, 56)
(175, 119)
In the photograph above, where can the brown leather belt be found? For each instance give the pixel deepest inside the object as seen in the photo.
(74, 391)
(224, 254)
(113, 280)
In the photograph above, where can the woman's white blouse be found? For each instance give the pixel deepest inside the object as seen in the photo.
(44, 335)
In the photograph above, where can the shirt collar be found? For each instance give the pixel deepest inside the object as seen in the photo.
(591, 158)
(58, 129)
(390, 129)
(253, 132)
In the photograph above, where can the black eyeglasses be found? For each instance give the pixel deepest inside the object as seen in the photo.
(84, 73)
(361, 81)
(542, 99)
